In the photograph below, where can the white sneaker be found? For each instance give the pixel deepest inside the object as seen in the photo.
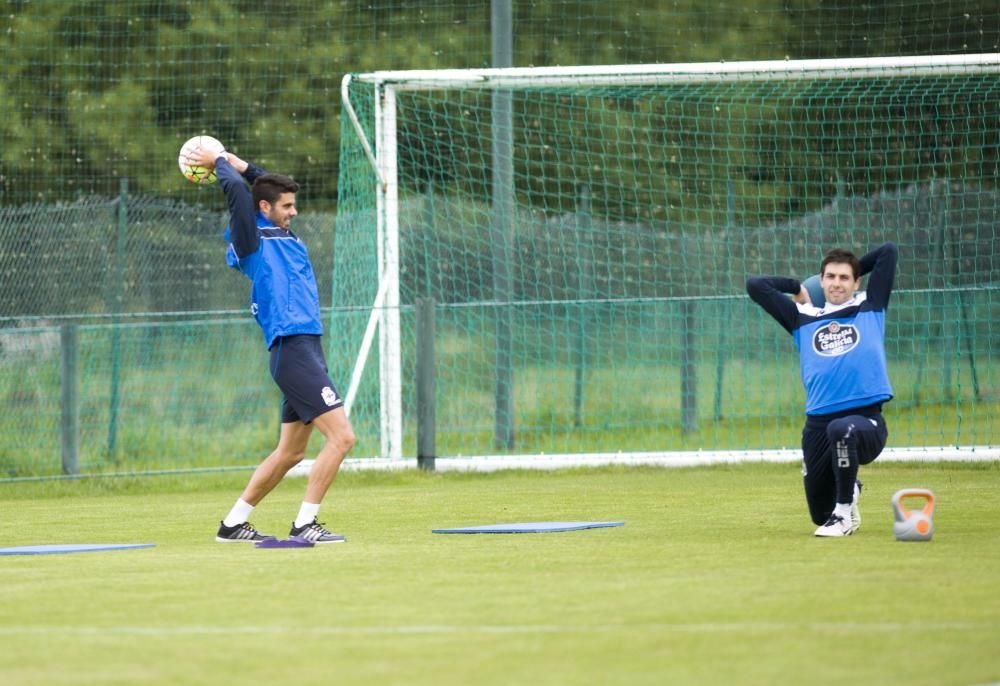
(855, 511)
(835, 526)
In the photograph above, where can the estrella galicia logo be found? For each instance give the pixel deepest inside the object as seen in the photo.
(836, 339)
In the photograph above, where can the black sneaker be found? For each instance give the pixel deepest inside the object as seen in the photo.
(241, 533)
(314, 531)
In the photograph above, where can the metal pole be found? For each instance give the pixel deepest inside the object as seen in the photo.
(117, 305)
(426, 418)
(390, 345)
(584, 237)
(501, 223)
(963, 308)
(723, 343)
(689, 390)
(70, 423)
(950, 348)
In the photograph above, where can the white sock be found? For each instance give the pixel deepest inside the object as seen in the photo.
(843, 510)
(239, 514)
(307, 513)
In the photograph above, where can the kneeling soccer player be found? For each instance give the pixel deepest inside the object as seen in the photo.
(842, 360)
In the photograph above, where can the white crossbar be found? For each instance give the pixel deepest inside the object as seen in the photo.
(694, 72)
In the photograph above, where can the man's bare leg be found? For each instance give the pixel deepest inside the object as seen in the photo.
(289, 452)
(340, 438)
(291, 449)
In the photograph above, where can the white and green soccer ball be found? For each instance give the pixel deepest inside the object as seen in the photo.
(192, 172)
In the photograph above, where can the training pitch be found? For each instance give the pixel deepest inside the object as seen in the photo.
(715, 579)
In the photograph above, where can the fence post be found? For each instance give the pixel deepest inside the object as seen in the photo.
(117, 305)
(426, 428)
(584, 265)
(501, 222)
(689, 389)
(722, 339)
(70, 424)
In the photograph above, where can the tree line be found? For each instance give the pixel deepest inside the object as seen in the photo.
(96, 90)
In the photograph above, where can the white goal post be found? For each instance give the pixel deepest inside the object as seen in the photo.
(382, 153)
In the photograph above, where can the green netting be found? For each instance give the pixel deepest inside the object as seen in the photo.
(609, 314)
(128, 302)
(111, 264)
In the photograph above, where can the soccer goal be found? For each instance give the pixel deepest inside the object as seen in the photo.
(581, 237)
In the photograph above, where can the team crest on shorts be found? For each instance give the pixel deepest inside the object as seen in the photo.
(329, 396)
(835, 339)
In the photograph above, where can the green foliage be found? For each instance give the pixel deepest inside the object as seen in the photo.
(96, 90)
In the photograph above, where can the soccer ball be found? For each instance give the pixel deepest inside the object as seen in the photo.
(195, 173)
(815, 287)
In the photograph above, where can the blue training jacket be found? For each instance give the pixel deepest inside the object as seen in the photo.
(841, 347)
(284, 298)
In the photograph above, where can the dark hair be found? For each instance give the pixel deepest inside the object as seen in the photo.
(840, 255)
(270, 187)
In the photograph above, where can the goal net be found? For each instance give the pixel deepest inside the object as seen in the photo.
(584, 236)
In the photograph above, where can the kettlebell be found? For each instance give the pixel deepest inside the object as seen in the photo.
(913, 525)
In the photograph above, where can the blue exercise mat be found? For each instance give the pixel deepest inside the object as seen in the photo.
(527, 528)
(71, 548)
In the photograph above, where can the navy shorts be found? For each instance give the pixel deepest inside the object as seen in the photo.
(870, 436)
(299, 369)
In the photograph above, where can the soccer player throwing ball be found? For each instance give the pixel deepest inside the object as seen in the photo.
(285, 303)
(842, 360)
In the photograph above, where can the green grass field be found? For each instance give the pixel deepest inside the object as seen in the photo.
(714, 579)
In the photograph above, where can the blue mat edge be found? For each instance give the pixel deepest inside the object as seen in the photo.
(62, 549)
(535, 528)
